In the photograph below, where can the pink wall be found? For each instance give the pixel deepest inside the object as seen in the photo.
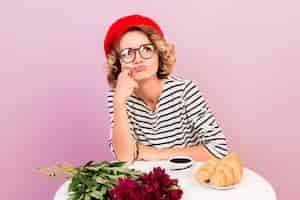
(243, 54)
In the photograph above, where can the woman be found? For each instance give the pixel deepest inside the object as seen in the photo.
(153, 114)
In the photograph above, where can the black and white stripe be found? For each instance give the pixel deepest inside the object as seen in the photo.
(182, 119)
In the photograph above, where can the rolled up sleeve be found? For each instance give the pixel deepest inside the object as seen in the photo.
(204, 123)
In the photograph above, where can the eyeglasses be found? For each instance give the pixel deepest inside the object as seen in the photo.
(128, 55)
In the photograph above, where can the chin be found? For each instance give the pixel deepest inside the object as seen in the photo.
(142, 76)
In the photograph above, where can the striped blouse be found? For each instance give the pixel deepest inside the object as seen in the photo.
(182, 118)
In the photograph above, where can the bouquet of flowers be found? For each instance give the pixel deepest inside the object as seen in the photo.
(115, 181)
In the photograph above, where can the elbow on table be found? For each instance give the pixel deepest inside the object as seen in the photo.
(124, 157)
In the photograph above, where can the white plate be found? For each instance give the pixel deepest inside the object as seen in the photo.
(230, 187)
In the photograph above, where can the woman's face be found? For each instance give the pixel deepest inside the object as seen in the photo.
(144, 66)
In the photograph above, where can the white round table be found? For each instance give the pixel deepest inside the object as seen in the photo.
(251, 187)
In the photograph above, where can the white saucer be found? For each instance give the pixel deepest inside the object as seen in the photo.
(229, 187)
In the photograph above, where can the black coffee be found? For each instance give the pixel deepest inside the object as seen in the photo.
(180, 160)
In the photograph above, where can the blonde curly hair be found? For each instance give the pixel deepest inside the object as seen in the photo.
(166, 53)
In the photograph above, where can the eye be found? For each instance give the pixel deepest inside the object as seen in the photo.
(127, 52)
(147, 48)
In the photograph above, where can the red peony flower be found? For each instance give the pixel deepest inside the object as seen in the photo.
(127, 188)
(175, 194)
(153, 185)
(158, 185)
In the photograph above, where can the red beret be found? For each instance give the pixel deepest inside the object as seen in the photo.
(121, 26)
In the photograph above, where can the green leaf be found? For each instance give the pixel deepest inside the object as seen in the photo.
(114, 177)
(74, 196)
(104, 190)
(100, 180)
(96, 194)
(93, 181)
(87, 197)
(88, 163)
(96, 167)
(75, 182)
(173, 187)
(117, 164)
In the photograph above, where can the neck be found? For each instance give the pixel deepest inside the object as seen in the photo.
(149, 90)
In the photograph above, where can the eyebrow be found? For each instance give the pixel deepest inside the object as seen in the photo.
(136, 48)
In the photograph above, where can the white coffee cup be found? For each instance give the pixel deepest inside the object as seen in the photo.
(180, 162)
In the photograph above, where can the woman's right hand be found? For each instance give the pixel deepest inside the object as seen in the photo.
(124, 87)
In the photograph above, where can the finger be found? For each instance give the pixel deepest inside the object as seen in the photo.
(126, 69)
(135, 84)
(125, 72)
(130, 84)
(130, 73)
(127, 78)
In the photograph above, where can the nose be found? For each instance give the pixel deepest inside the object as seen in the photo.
(138, 58)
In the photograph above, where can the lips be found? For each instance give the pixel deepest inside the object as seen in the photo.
(138, 68)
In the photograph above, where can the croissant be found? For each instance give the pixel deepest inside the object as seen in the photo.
(225, 172)
(218, 179)
(206, 171)
(234, 161)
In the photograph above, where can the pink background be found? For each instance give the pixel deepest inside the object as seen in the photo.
(244, 55)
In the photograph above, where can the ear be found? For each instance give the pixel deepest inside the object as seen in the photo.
(171, 48)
